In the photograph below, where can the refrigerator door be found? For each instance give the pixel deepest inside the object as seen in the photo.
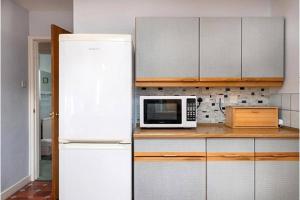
(95, 89)
(95, 171)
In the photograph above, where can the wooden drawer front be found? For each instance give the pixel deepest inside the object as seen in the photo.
(276, 145)
(242, 147)
(262, 117)
(169, 145)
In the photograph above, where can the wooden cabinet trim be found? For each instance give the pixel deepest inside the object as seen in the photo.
(230, 154)
(162, 159)
(153, 83)
(262, 79)
(169, 154)
(277, 158)
(231, 158)
(167, 79)
(276, 154)
(218, 79)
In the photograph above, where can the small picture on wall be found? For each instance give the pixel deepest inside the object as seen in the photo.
(45, 79)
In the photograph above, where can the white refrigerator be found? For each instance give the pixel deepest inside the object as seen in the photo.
(95, 117)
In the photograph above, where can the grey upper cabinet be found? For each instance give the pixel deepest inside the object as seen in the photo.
(262, 47)
(170, 180)
(220, 48)
(276, 180)
(167, 48)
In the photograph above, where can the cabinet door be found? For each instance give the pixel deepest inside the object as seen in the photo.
(230, 179)
(167, 48)
(169, 179)
(263, 47)
(276, 180)
(220, 49)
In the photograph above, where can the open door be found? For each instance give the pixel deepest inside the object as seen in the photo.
(55, 32)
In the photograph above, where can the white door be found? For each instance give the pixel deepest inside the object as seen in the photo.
(95, 91)
(95, 172)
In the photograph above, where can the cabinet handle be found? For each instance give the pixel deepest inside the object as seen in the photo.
(231, 155)
(169, 155)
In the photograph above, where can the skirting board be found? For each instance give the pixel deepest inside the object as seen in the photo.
(14, 188)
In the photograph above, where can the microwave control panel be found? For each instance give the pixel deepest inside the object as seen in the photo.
(191, 109)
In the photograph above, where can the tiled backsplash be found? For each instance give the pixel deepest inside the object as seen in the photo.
(209, 111)
(289, 108)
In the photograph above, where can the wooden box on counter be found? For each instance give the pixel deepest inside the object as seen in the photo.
(251, 117)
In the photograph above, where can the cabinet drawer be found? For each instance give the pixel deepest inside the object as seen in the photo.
(170, 145)
(252, 117)
(276, 145)
(230, 147)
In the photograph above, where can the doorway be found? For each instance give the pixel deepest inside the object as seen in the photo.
(40, 108)
(44, 102)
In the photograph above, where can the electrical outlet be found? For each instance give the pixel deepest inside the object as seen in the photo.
(23, 84)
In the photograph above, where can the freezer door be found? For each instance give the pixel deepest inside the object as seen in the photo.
(95, 90)
(92, 171)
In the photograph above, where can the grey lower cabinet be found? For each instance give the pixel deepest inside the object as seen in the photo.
(220, 48)
(167, 48)
(262, 47)
(230, 180)
(276, 180)
(230, 168)
(276, 169)
(169, 179)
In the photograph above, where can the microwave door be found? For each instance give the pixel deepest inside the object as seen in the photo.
(162, 111)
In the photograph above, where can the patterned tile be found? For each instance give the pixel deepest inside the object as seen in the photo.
(209, 110)
(37, 190)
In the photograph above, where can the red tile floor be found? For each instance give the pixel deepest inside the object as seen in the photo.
(37, 190)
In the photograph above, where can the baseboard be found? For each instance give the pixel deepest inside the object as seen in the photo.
(14, 188)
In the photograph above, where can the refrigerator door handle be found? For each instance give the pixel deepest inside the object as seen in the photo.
(65, 141)
(95, 146)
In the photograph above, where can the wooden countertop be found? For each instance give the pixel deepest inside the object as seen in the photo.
(217, 131)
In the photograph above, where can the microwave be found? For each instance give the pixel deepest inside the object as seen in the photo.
(168, 111)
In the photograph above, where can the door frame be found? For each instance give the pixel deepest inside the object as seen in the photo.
(33, 105)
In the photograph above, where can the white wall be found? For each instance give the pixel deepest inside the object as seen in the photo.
(14, 103)
(40, 21)
(0, 103)
(287, 97)
(117, 16)
(290, 10)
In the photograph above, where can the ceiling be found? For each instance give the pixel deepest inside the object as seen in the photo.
(46, 5)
